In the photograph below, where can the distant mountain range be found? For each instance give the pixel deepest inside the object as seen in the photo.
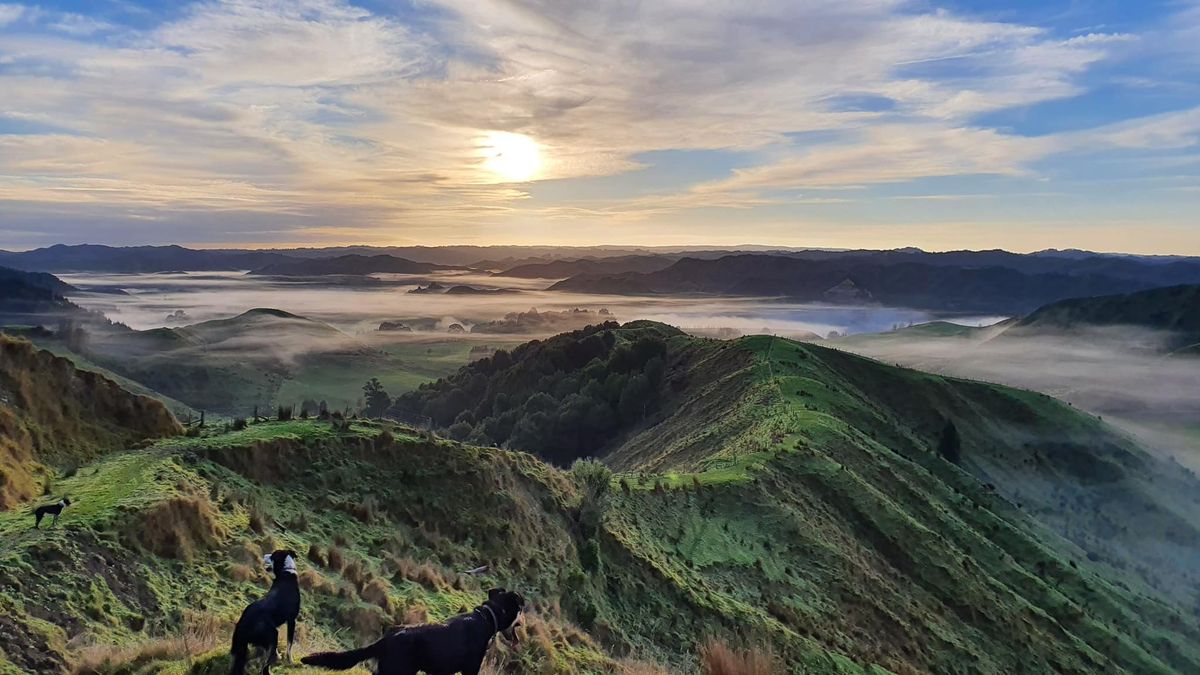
(984, 281)
(562, 269)
(94, 258)
(98, 258)
(348, 265)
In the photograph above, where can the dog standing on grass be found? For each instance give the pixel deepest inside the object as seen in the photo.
(260, 622)
(52, 509)
(457, 646)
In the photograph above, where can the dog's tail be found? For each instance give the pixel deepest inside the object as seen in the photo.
(343, 660)
(241, 653)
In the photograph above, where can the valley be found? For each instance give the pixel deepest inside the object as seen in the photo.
(654, 491)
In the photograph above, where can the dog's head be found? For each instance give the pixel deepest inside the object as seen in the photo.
(281, 561)
(507, 606)
(66, 501)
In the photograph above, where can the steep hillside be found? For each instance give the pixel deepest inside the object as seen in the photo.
(34, 299)
(834, 550)
(1174, 310)
(838, 448)
(54, 415)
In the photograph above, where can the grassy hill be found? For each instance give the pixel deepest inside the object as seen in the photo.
(1174, 310)
(775, 493)
(261, 358)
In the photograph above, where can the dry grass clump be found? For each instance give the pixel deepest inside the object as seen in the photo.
(355, 572)
(632, 667)
(366, 621)
(718, 658)
(315, 556)
(376, 593)
(337, 559)
(414, 615)
(312, 581)
(239, 572)
(423, 573)
(177, 527)
(201, 633)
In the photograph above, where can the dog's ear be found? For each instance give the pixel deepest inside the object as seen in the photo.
(494, 593)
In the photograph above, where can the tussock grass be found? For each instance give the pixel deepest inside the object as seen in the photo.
(202, 633)
(718, 658)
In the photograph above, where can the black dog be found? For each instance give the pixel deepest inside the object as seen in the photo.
(260, 622)
(457, 646)
(53, 509)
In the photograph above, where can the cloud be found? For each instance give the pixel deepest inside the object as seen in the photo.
(318, 109)
(10, 13)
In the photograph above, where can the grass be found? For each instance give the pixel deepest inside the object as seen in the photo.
(793, 503)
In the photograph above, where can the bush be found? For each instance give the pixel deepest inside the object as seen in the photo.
(949, 444)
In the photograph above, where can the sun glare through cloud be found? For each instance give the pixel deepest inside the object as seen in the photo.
(513, 158)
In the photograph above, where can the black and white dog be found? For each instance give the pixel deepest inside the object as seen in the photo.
(457, 646)
(260, 622)
(52, 509)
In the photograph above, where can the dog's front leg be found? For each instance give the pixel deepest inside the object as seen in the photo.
(291, 639)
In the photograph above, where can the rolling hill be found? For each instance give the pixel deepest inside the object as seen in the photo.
(723, 411)
(1174, 310)
(772, 493)
(897, 283)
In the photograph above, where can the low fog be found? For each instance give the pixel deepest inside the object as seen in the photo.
(357, 307)
(1114, 372)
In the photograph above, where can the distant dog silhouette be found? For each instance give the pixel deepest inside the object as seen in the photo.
(457, 646)
(260, 622)
(53, 509)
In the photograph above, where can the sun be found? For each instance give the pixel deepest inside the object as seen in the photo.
(515, 158)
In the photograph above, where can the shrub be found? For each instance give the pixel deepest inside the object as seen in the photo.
(238, 424)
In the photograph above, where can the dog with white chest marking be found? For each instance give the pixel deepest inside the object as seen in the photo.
(260, 622)
(55, 510)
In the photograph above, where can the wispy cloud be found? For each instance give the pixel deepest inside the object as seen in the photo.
(321, 110)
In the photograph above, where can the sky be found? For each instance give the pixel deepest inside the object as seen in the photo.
(834, 123)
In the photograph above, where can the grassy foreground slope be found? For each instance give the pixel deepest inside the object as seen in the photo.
(161, 553)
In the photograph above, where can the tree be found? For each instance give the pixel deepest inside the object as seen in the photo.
(635, 397)
(950, 445)
(377, 399)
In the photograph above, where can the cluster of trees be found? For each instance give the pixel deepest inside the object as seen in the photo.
(561, 398)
